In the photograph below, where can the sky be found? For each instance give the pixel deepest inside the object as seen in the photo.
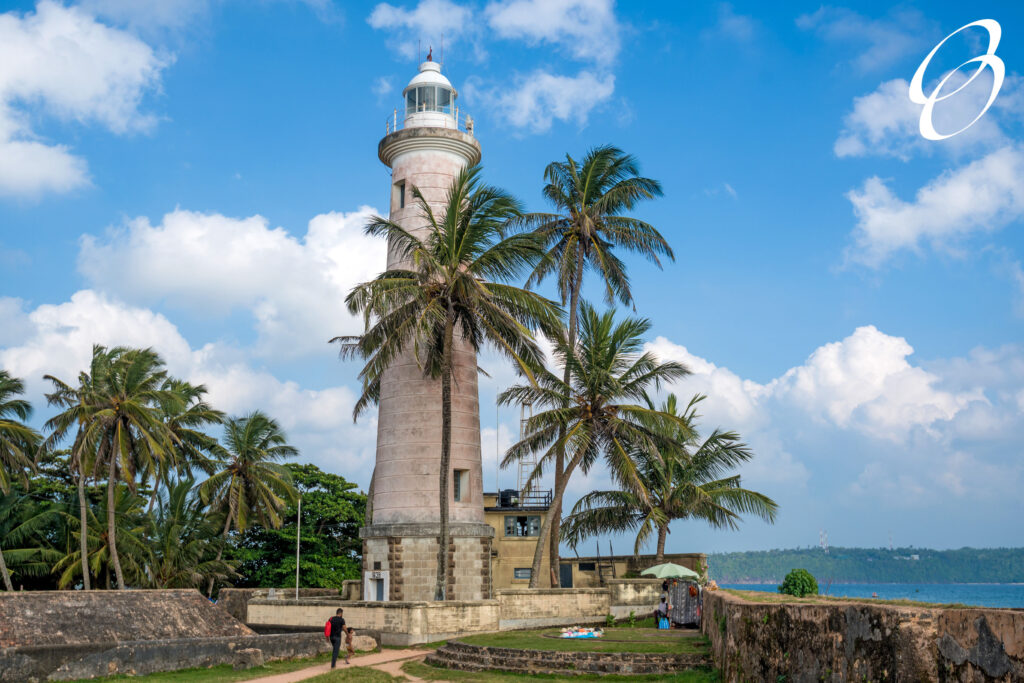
(194, 175)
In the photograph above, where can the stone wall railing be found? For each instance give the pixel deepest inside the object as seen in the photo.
(835, 640)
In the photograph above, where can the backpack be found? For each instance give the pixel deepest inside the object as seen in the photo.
(327, 629)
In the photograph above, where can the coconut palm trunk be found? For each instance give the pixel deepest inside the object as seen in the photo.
(3, 570)
(554, 551)
(112, 519)
(659, 557)
(441, 589)
(83, 536)
(547, 528)
(220, 552)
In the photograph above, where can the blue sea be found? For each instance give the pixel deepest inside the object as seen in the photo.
(977, 594)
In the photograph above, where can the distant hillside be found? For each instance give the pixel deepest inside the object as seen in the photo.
(873, 565)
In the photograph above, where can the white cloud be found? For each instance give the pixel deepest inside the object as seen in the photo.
(382, 86)
(886, 123)
(738, 27)
(57, 340)
(294, 289)
(587, 29)
(885, 41)
(982, 196)
(61, 61)
(149, 16)
(536, 100)
(423, 26)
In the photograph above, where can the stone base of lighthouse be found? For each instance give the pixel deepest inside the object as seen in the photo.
(400, 561)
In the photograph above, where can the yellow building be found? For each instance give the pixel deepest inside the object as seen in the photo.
(517, 521)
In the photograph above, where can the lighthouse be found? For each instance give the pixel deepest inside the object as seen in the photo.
(427, 143)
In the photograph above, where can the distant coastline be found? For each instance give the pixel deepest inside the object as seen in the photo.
(1002, 566)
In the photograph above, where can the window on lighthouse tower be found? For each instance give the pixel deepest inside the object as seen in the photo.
(428, 98)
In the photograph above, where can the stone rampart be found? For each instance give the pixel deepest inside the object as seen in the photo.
(640, 596)
(835, 640)
(234, 601)
(28, 664)
(533, 608)
(83, 617)
(465, 657)
(398, 623)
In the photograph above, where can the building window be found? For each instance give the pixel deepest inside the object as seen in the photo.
(522, 573)
(587, 566)
(399, 198)
(376, 566)
(461, 480)
(522, 525)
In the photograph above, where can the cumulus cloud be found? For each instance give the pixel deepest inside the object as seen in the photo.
(423, 25)
(886, 123)
(982, 196)
(294, 289)
(536, 100)
(729, 24)
(881, 42)
(57, 339)
(586, 29)
(61, 61)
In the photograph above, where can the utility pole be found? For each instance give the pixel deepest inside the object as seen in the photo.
(298, 535)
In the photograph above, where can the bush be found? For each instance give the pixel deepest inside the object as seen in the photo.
(799, 582)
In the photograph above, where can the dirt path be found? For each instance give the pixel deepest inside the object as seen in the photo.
(388, 661)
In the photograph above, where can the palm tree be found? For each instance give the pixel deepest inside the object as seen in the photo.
(22, 519)
(119, 416)
(682, 478)
(186, 417)
(134, 553)
(18, 443)
(78, 405)
(248, 484)
(586, 229)
(597, 415)
(455, 284)
(182, 535)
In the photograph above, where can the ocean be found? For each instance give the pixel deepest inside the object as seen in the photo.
(975, 594)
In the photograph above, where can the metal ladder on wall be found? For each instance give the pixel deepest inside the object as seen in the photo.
(605, 570)
(529, 462)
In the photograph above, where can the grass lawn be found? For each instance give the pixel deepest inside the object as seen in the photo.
(219, 674)
(638, 640)
(355, 673)
(774, 598)
(431, 673)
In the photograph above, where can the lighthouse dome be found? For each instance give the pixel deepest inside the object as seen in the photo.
(430, 98)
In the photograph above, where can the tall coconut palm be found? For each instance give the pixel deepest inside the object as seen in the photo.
(248, 484)
(454, 291)
(186, 417)
(18, 443)
(78, 404)
(599, 414)
(586, 230)
(121, 427)
(682, 477)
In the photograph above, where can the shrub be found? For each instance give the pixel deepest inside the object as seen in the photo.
(799, 582)
(609, 620)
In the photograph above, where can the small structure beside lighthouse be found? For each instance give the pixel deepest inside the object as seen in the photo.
(426, 148)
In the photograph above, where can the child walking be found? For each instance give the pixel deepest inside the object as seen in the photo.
(349, 649)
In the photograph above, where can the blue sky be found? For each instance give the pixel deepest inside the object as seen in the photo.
(193, 175)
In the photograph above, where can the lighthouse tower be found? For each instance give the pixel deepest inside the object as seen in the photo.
(425, 149)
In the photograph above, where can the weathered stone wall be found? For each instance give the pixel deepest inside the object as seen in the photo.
(81, 617)
(60, 662)
(459, 655)
(525, 608)
(850, 641)
(235, 601)
(399, 623)
(639, 596)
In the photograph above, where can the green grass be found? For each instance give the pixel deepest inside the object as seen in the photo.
(431, 673)
(639, 640)
(219, 674)
(775, 598)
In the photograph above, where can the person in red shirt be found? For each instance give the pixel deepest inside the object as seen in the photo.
(334, 631)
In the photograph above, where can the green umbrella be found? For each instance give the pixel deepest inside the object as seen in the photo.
(670, 571)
